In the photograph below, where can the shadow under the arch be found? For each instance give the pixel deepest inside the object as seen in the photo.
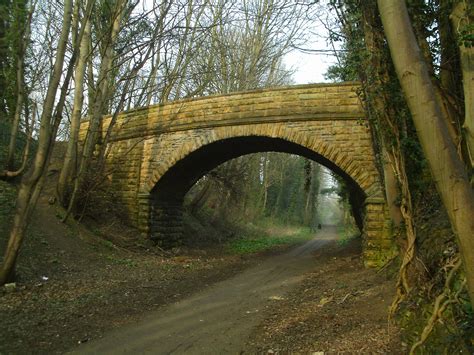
(168, 193)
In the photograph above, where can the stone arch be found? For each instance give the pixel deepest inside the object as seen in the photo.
(367, 181)
(163, 214)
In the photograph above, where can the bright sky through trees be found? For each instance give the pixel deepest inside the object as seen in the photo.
(310, 67)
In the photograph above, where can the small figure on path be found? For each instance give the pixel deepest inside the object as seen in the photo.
(319, 226)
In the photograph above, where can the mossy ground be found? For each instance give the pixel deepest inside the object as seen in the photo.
(265, 240)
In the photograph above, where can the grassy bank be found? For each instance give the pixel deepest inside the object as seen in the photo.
(346, 234)
(269, 238)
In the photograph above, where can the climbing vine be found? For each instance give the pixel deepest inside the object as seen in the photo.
(387, 115)
(367, 58)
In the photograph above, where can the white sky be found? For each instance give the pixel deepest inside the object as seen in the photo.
(310, 68)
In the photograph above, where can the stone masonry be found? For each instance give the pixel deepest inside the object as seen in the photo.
(157, 153)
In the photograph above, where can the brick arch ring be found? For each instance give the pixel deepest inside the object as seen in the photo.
(363, 179)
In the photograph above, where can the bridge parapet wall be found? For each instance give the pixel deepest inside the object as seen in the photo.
(295, 103)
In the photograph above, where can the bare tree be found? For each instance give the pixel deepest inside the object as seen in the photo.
(70, 158)
(23, 38)
(32, 182)
(102, 95)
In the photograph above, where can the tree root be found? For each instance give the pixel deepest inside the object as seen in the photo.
(441, 302)
(406, 209)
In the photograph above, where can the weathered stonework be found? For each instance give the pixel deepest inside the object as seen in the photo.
(157, 153)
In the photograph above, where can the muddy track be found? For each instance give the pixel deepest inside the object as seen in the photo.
(219, 319)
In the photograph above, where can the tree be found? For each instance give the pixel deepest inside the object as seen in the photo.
(70, 158)
(448, 170)
(31, 184)
(463, 21)
(16, 37)
(101, 97)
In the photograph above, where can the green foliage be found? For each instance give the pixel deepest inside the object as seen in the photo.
(295, 178)
(466, 36)
(122, 261)
(453, 334)
(280, 186)
(350, 40)
(346, 234)
(262, 242)
(13, 18)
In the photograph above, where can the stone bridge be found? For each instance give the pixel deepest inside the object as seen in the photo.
(157, 153)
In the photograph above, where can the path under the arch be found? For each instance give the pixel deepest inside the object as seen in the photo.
(220, 319)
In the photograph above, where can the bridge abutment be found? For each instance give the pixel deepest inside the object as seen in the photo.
(378, 243)
(166, 223)
(160, 221)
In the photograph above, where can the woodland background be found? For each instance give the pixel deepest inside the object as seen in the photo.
(62, 61)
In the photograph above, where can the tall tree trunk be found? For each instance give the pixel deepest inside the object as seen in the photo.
(448, 111)
(276, 207)
(24, 37)
(392, 190)
(448, 170)
(9, 163)
(201, 196)
(308, 174)
(100, 99)
(31, 183)
(384, 126)
(266, 182)
(70, 158)
(460, 18)
(90, 80)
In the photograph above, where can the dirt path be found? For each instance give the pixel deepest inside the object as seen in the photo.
(219, 319)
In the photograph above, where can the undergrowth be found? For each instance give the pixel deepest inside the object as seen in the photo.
(346, 234)
(264, 241)
(436, 317)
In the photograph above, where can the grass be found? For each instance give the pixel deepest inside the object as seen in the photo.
(264, 241)
(121, 261)
(346, 234)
